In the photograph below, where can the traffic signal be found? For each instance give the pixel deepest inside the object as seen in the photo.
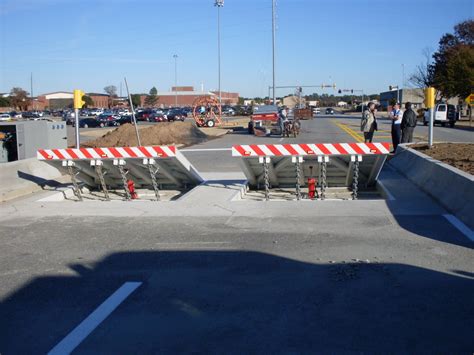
(79, 99)
(352, 91)
(390, 87)
(429, 97)
(339, 91)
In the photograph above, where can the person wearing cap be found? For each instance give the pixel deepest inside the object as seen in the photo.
(396, 116)
(369, 123)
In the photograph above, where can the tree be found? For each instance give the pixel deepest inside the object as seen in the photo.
(453, 66)
(88, 101)
(19, 98)
(136, 100)
(241, 100)
(152, 99)
(4, 102)
(111, 90)
(423, 75)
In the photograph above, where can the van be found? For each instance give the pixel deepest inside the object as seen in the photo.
(444, 114)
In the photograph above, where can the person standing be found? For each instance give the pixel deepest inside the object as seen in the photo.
(396, 116)
(368, 124)
(408, 123)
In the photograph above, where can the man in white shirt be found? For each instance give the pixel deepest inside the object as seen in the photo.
(396, 116)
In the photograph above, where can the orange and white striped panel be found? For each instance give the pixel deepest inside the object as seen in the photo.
(162, 151)
(277, 150)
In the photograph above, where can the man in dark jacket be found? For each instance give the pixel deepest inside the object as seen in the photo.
(408, 123)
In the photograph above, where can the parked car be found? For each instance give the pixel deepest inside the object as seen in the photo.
(228, 111)
(109, 119)
(96, 111)
(144, 114)
(175, 115)
(329, 111)
(5, 117)
(30, 115)
(123, 120)
(443, 114)
(157, 117)
(89, 123)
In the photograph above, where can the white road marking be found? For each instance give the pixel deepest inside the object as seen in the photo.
(87, 326)
(191, 243)
(460, 226)
(206, 150)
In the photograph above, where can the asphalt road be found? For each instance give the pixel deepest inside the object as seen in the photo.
(238, 285)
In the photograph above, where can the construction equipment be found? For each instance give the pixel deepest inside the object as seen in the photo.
(207, 111)
(265, 121)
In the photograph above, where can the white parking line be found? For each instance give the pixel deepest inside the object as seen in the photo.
(87, 326)
(460, 226)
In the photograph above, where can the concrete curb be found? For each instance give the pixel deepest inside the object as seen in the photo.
(23, 177)
(451, 187)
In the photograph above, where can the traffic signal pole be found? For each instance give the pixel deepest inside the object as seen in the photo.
(78, 96)
(76, 119)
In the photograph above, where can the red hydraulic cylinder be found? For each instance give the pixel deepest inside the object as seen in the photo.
(131, 188)
(311, 188)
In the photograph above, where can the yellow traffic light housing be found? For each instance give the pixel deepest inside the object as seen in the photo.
(79, 99)
(429, 97)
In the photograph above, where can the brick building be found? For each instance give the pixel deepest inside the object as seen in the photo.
(185, 96)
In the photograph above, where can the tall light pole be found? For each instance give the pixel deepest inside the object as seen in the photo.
(273, 49)
(175, 56)
(219, 4)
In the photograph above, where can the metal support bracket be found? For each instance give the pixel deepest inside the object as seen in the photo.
(100, 173)
(297, 161)
(120, 163)
(265, 161)
(356, 159)
(72, 170)
(150, 163)
(323, 160)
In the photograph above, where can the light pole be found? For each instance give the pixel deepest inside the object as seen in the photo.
(219, 4)
(175, 56)
(273, 49)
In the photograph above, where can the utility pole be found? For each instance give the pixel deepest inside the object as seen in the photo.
(219, 4)
(175, 56)
(31, 90)
(273, 49)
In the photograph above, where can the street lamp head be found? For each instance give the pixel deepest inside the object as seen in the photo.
(219, 3)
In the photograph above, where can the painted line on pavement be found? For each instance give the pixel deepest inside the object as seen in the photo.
(350, 132)
(206, 150)
(87, 326)
(460, 226)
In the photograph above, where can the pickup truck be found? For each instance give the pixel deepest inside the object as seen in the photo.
(443, 114)
(265, 121)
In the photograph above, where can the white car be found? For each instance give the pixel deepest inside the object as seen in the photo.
(316, 111)
(96, 112)
(5, 117)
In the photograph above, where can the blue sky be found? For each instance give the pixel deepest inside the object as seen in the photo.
(88, 44)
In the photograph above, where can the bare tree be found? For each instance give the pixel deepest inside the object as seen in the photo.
(423, 75)
(111, 90)
(19, 98)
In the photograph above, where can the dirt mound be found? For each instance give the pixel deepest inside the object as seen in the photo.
(165, 133)
(459, 155)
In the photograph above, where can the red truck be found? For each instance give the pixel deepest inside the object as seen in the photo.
(265, 121)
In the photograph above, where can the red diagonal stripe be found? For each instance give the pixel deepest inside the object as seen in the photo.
(290, 149)
(340, 148)
(307, 149)
(86, 153)
(257, 150)
(58, 153)
(357, 148)
(241, 151)
(373, 148)
(159, 151)
(72, 153)
(100, 152)
(274, 149)
(323, 149)
(115, 152)
(145, 152)
(130, 152)
(44, 154)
